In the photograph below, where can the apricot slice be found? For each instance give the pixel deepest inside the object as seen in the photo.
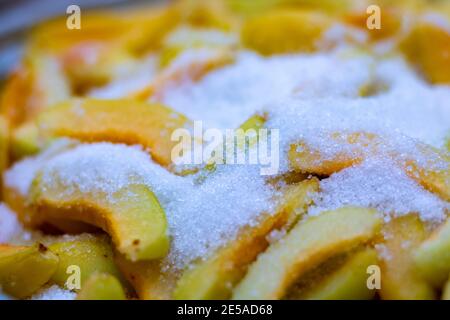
(176, 75)
(132, 215)
(308, 244)
(101, 286)
(400, 281)
(446, 291)
(92, 254)
(347, 282)
(215, 277)
(125, 121)
(23, 270)
(427, 47)
(432, 258)
(150, 279)
(284, 31)
(356, 147)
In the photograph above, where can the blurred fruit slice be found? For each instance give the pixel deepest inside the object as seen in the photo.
(215, 277)
(284, 31)
(92, 254)
(132, 215)
(101, 286)
(427, 47)
(24, 270)
(433, 256)
(347, 282)
(400, 281)
(446, 291)
(125, 121)
(308, 244)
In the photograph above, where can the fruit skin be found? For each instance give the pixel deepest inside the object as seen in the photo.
(400, 281)
(101, 286)
(122, 120)
(427, 47)
(215, 277)
(347, 282)
(432, 257)
(307, 245)
(4, 146)
(92, 254)
(284, 31)
(132, 216)
(24, 270)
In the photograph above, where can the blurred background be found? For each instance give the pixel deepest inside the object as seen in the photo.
(17, 16)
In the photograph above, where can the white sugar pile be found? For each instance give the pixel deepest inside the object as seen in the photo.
(201, 217)
(54, 293)
(227, 97)
(20, 176)
(380, 184)
(9, 225)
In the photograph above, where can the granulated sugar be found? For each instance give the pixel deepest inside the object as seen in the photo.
(54, 293)
(380, 184)
(9, 225)
(201, 217)
(227, 97)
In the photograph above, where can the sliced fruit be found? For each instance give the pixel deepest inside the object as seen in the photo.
(92, 254)
(427, 47)
(101, 286)
(356, 147)
(192, 71)
(215, 277)
(308, 244)
(433, 256)
(23, 270)
(150, 279)
(25, 141)
(347, 282)
(284, 31)
(132, 215)
(125, 121)
(400, 280)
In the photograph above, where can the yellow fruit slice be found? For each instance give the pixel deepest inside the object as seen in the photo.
(24, 270)
(427, 47)
(25, 141)
(150, 279)
(446, 291)
(400, 281)
(193, 71)
(132, 215)
(356, 147)
(308, 244)
(102, 286)
(91, 254)
(433, 256)
(284, 31)
(125, 121)
(348, 282)
(215, 277)
(4, 146)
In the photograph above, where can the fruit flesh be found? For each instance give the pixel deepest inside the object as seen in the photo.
(432, 257)
(101, 286)
(92, 254)
(284, 31)
(24, 270)
(125, 121)
(347, 282)
(307, 245)
(132, 216)
(215, 277)
(400, 281)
